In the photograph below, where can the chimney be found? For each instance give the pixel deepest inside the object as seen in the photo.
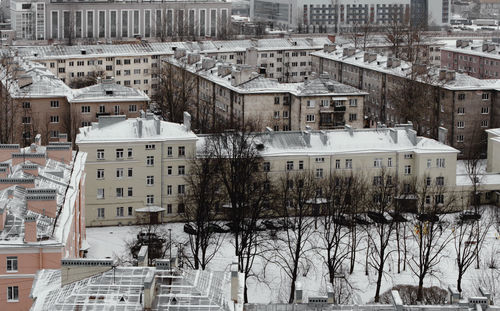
(345, 52)
(465, 43)
(349, 129)
(187, 121)
(179, 52)
(33, 148)
(158, 126)
(420, 68)
(30, 229)
(208, 63)
(389, 62)
(307, 135)
(251, 55)
(61, 152)
(394, 135)
(193, 58)
(149, 290)
(38, 139)
(6, 151)
(329, 48)
(223, 70)
(450, 75)
(3, 218)
(491, 47)
(241, 75)
(396, 62)
(443, 135)
(63, 138)
(73, 270)
(139, 128)
(235, 282)
(298, 292)
(142, 257)
(24, 80)
(454, 295)
(366, 56)
(442, 74)
(485, 46)
(458, 43)
(42, 201)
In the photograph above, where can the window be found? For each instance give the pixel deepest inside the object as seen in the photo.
(320, 160)
(353, 102)
(54, 119)
(169, 208)
(439, 198)
(130, 172)
(117, 108)
(150, 160)
(126, 61)
(407, 169)
(85, 109)
(377, 162)
(130, 191)
(310, 118)
(440, 162)
(150, 199)
(26, 120)
(427, 181)
(460, 124)
(26, 105)
(460, 138)
(409, 156)
(119, 192)
(389, 162)
(54, 104)
(377, 180)
(150, 147)
(119, 211)
(337, 164)
(289, 165)
(266, 166)
(181, 189)
(276, 115)
(169, 190)
(100, 212)
(119, 153)
(301, 165)
(319, 173)
(169, 170)
(353, 117)
(440, 181)
(12, 293)
(348, 163)
(427, 199)
(100, 173)
(310, 104)
(276, 100)
(181, 170)
(485, 110)
(484, 123)
(130, 153)
(119, 172)
(286, 114)
(461, 110)
(130, 211)
(100, 154)
(100, 193)
(485, 96)
(132, 108)
(12, 264)
(169, 151)
(182, 151)
(54, 134)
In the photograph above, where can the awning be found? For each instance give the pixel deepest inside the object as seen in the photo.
(339, 98)
(150, 209)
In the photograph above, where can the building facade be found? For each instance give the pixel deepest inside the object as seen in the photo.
(42, 215)
(465, 106)
(118, 20)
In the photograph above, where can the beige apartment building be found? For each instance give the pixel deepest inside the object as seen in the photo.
(136, 64)
(137, 166)
(43, 104)
(225, 95)
(464, 105)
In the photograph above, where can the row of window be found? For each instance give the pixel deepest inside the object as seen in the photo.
(122, 212)
(181, 170)
(116, 109)
(484, 110)
(461, 124)
(120, 192)
(119, 152)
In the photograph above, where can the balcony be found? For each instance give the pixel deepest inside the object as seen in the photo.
(98, 114)
(339, 109)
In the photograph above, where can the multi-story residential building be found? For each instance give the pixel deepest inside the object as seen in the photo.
(148, 174)
(464, 105)
(131, 63)
(343, 15)
(94, 20)
(478, 59)
(225, 95)
(132, 164)
(42, 215)
(43, 104)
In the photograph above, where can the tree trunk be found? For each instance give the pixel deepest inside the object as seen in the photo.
(420, 291)
(379, 283)
(459, 280)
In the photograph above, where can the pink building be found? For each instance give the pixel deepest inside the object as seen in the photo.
(41, 215)
(479, 59)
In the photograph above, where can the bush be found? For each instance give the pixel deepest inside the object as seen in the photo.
(432, 295)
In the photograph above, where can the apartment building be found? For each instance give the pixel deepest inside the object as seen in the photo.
(478, 59)
(343, 15)
(43, 104)
(136, 65)
(135, 166)
(42, 215)
(464, 105)
(225, 95)
(93, 20)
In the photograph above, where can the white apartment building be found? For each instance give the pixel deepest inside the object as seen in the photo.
(341, 15)
(90, 20)
(138, 165)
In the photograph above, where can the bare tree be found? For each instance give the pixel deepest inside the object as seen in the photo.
(431, 234)
(201, 203)
(290, 248)
(246, 188)
(11, 95)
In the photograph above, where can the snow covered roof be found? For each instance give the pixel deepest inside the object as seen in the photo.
(486, 181)
(145, 128)
(108, 91)
(167, 48)
(380, 64)
(122, 288)
(475, 48)
(348, 141)
(257, 84)
(53, 181)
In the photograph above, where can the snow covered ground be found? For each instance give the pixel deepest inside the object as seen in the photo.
(111, 242)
